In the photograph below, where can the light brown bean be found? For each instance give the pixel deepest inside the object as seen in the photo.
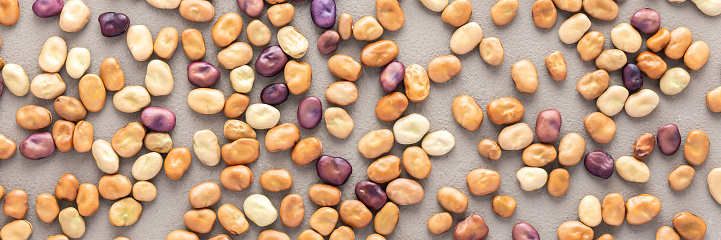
(128, 140)
(651, 64)
(525, 76)
(16, 204)
(177, 162)
(416, 162)
(88, 199)
(593, 84)
(391, 107)
(324, 195)
(323, 220)
(600, 127)
(504, 206)
(46, 207)
(280, 14)
(483, 181)
(591, 45)
(235, 105)
(505, 110)
(696, 148)
(193, 43)
(232, 219)
(443, 68)
(199, 220)
(297, 76)
(114, 186)
(291, 210)
(440, 223)
(452, 200)
(659, 40)
(197, 10)
(241, 151)
(236, 178)
(166, 42)
(556, 65)
(306, 151)
(144, 191)
(226, 29)
(417, 83)
(203, 195)
(544, 13)
(489, 149)
(642, 209)
(235, 129)
(696, 55)
(384, 169)
(282, 137)
(539, 155)
(679, 41)
(276, 180)
(63, 135)
(345, 26)
(67, 188)
(32, 117)
(341, 93)
(558, 182)
(390, 14)
(376, 143)
(403, 191)
(355, 214)
(7, 149)
(681, 177)
(611, 60)
(345, 67)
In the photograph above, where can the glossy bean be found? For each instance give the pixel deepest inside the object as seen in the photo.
(696, 55)
(644, 145)
(403, 191)
(276, 180)
(280, 14)
(668, 139)
(696, 148)
(599, 164)
(681, 177)
(646, 20)
(483, 181)
(489, 149)
(379, 54)
(37, 146)
(558, 182)
(515, 137)
(197, 10)
(376, 143)
(83, 136)
(15, 204)
(659, 40)
(292, 42)
(47, 8)
(504, 11)
(632, 78)
(601, 128)
(310, 112)
(166, 42)
(236, 55)
(651, 64)
(466, 38)
(333, 170)
(227, 29)
(258, 33)
(471, 228)
(689, 226)
(505, 110)
(271, 61)
(524, 231)
(574, 28)
(367, 29)
(642, 209)
(297, 76)
(679, 41)
(641, 103)
(410, 129)
(328, 42)
(113, 24)
(46, 207)
(574, 230)
(674, 80)
(202, 74)
(571, 149)
(457, 13)
(613, 210)
(632, 170)
(324, 220)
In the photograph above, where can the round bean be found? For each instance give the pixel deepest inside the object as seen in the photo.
(306, 151)
(177, 163)
(613, 209)
(338, 122)
(113, 24)
(235, 55)
(333, 170)
(197, 10)
(280, 14)
(483, 181)
(574, 27)
(438, 143)
(457, 13)
(612, 100)
(641, 103)
(15, 79)
(531, 178)
(74, 16)
(544, 14)
(206, 147)
(297, 76)
(16, 204)
(323, 220)
(236, 178)
(504, 206)
(144, 191)
(258, 33)
(274, 94)
(642, 209)
(515, 137)
(47, 8)
(384, 169)
(341, 93)
(125, 212)
(32, 117)
(611, 60)
(369, 193)
(271, 61)
(471, 227)
(696, 56)
(367, 29)
(379, 54)
(465, 38)
(114, 186)
(681, 177)
(674, 81)
(166, 42)
(604, 10)
(128, 140)
(504, 11)
(376, 143)
(646, 20)
(440, 223)
(37, 146)
(46, 207)
(158, 119)
(403, 191)
(632, 79)
(624, 36)
(668, 139)
(242, 78)
(199, 220)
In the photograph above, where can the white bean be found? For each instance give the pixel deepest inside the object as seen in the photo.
(15, 79)
(74, 16)
(78, 62)
(147, 166)
(260, 210)
(410, 129)
(641, 103)
(262, 116)
(140, 42)
(242, 78)
(515, 137)
(164, 4)
(438, 143)
(47, 86)
(632, 170)
(709, 7)
(435, 5)
(674, 81)
(532, 178)
(574, 28)
(105, 157)
(714, 184)
(206, 100)
(206, 147)
(53, 54)
(158, 78)
(612, 100)
(589, 211)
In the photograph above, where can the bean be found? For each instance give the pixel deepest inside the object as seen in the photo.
(69, 108)
(689, 226)
(15, 79)
(435, 5)
(651, 64)
(471, 228)
(147, 166)
(114, 186)
(641, 103)
(235, 55)
(376, 143)
(206, 147)
(7, 149)
(600, 127)
(632, 79)
(390, 15)
(410, 129)
(505, 110)
(591, 45)
(669, 139)
(202, 74)
(613, 209)
(206, 100)
(574, 27)
(226, 29)
(47, 8)
(386, 219)
(88, 199)
(297, 76)
(67, 188)
(467, 112)
(574, 230)
(242, 78)
(646, 20)
(367, 29)
(281, 14)
(276, 180)
(544, 14)
(353, 213)
(344, 67)
(271, 61)
(599, 164)
(306, 151)
(539, 155)
(158, 119)
(483, 181)
(140, 42)
(632, 170)
(252, 8)
(548, 125)
(113, 24)
(53, 54)
(32, 117)
(515, 137)
(128, 140)
(292, 42)
(204, 195)
(193, 43)
(611, 60)
(440, 223)
(177, 163)
(491, 51)
(612, 100)
(232, 219)
(166, 42)
(524, 231)
(625, 37)
(384, 169)
(369, 193)
(281, 137)
(710, 8)
(379, 54)
(504, 11)
(260, 210)
(292, 210)
(531, 178)
(504, 206)
(16, 229)
(666, 233)
(417, 84)
(556, 65)
(465, 38)
(391, 106)
(457, 13)
(659, 40)
(713, 100)
(236, 178)
(274, 94)
(696, 148)
(73, 17)
(197, 10)
(323, 13)
(71, 222)
(696, 56)
(443, 68)
(258, 34)
(403, 191)
(92, 92)
(37, 146)
(674, 81)
(642, 209)
(323, 220)
(338, 122)
(310, 112)
(333, 170)
(679, 41)
(558, 182)
(158, 142)
(46, 207)
(438, 143)
(328, 42)
(8, 17)
(325, 195)
(131, 99)
(199, 220)
(714, 184)
(489, 149)
(182, 235)
(16, 204)
(341, 93)
(644, 145)
(345, 26)
(568, 5)
(604, 10)
(47, 86)
(681, 177)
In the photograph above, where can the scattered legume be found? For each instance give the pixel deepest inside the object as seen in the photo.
(37, 146)
(353, 213)
(544, 14)
(589, 211)
(199, 220)
(333, 170)
(531, 178)
(113, 24)
(504, 206)
(384, 169)
(668, 139)
(201, 74)
(158, 142)
(260, 210)
(274, 94)
(696, 55)
(226, 29)
(515, 137)
(679, 42)
(625, 37)
(7, 149)
(403, 191)
(46, 207)
(322, 12)
(457, 13)
(341, 93)
(232, 219)
(674, 81)
(632, 170)
(539, 155)
(105, 157)
(505, 110)
(558, 182)
(281, 137)
(345, 26)
(32, 117)
(328, 42)
(642, 209)
(147, 166)
(489, 149)
(611, 60)
(574, 27)
(659, 40)
(16, 229)
(689, 226)
(440, 223)
(574, 230)
(325, 195)
(71, 222)
(641, 103)
(612, 100)
(613, 209)
(483, 181)
(376, 143)
(524, 231)
(114, 186)
(369, 193)
(568, 5)
(604, 10)
(338, 122)
(504, 11)
(307, 151)
(74, 16)
(644, 145)
(646, 20)
(556, 65)
(438, 143)
(598, 163)
(386, 219)
(67, 188)
(236, 55)
(280, 14)
(47, 8)
(276, 180)
(571, 149)
(465, 38)
(16, 204)
(714, 184)
(600, 127)
(667, 233)
(391, 107)
(292, 42)
(258, 33)
(236, 178)
(471, 227)
(696, 148)
(435, 5)
(92, 92)
(297, 76)
(632, 78)
(182, 235)
(15, 79)
(292, 210)
(344, 67)
(651, 64)
(467, 112)
(88, 199)
(206, 147)
(323, 220)
(53, 54)
(410, 129)
(197, 10)
(379, 54)
(681, 177)
(47, 86)
(131, 99)
(252, 8)
(144, 191)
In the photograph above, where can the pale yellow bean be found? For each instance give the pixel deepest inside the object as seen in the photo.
(140, 42)
(574, 28)
(53, 54)
(465, 38)
(258, 33)
(74, 16)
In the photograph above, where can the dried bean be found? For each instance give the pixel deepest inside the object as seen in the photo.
(599, 164)
(600, 127)
(524, 231)
(689, 226)
(353, 213)
(199, 220)
(411, 128)
(679, 41)
(147, 166)
(642, 209)
(258, 34)
(465, 38)
(632, 170)
(236, 55)
(46, 207)
(681, 177)
(37, 146)
(292, 210)
(613, 209)
(471, 228)
(322, 12)
(612, 100)
(646, 20)
(539, 155)
(440, 223)
(379, 54)
(403, 191)
(504, 206)
(504, 11)
(74, 16)
(544, 14)
(384, 169)
(140, 42)
(505, 110)
(333, 170)
(166, 42)
(556, 66)
(457, 13)
(131, 99)
(483, 181)
(489, 149)
(144, 191)
(280, 14)
(644, 145)
(15, 79)
(574, 27)
(668, 139)
(338, 122)
(292, 42)
(574, 230)
(641, 103)
(197, 10)
(47, 8)
(558, 182)
(227, 29)
(611, 60)
(632, 78)
(515, 137)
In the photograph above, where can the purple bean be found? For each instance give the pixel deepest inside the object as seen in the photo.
(2, 85)
(274, 94)
(47, 8)
(599, 164)
(271, 61)
(328, 42)
(646, 20)
(668, 139)
(323, 13)
(158, 119)
(113, 24)
(202, 74)
(472, 228)
(252, 8)
(310, 111)
(392, 76)
(524, 231)
(548, 125)
(632, 78)
(333, 170)
(371, 194)
(37, 146)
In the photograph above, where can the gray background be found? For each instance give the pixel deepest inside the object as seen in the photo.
(423, 37)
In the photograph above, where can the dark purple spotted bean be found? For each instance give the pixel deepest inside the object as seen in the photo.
(328, 42)
(158, 119)
(274, 94)
(548, 125)
(632, 78)
(113, 24)
(392, 76)
(37, 146)
(323, 13)
(646, 20)
(202, 74)
(524, 231)
(252, 8)
(271, 61)
(47, 8)
(599, 164)
(310, 111)
(333, 170)
(668, 139)
(371, 194)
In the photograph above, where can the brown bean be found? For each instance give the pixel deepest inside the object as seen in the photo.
(689, 226)
(344, 67)
(651, 64)
(403, 191)
(416, 162)
(324, 195)
(489, 149)
(217, 237)
(297, 76)
(443, 68)
(177, 162)
(452, 200)
(544, 13)
(323, 220)
(70, 108)
(644, 145)
(236, 129)
(667, 233)
(642, 209)
(659, 40)
(384, 169)
(525, 76)
(63, 135)
(491, 50)
(235, 105)
(181, 235)
(679, 41)
(417, 83)
(199, 220)
(556, 65)
(593, 84)
(505, 110)
(92, 92)
(574, 230)
(379, 54)
(112, 74)
(291, 210)
(276, 180)
(467, 112)
(391, 107)
(282, 137)
(696, 148)
(558, 182)
(236, 178)
(67, 188)
(32, 117)
(600, 127)
(16, 204)
(376, 143)
(203, 195)
(242, 151)
(681, 177)
(7, 148)
(471, 228)
(355, 214)
(88, 199)
(306, 151)
(390, 14)
(591, 45)
(440, 223)
(457, 13)
(345, 27)
(227, 29)
(46, 207)
(504, 206)
(483, 181)
(232, 219)
(273, 235)
(128, 140)
(83, 137)
(386, 219)
(539, 155)
(696, 55)
(114, 186)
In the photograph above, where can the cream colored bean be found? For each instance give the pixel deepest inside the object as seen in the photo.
(105, 157)
(47, 86)
(438, 143)
(260, 210)
(206, 147)
(232, 219)
(641, 103)
(612, 100)
(626, 38)
(46, 207)
(708, 7)
(574, 28)
(568, 5)
(341, 93)
(53, 54)
(193, 43)
(280, 14)
(697, 55)
(515, 137)
(525, 76)
(242, 78)
(258, 34)
(491, 51)
(531, 178)
(158, 142)
(131, 99)
(206, 100)
(158, 78)
(714, 184)
(72, 224)
(681, 177)
(166, 42)
(416, 82)
(78, 61)
(292, 41)
(466, 37)
(235, 55)
(410, 129)
(674, 81)
(375, 143)
(556, 66)
(74, 16)
(345, 26)
(16, 230)
(679, 42)
(435, 5)
(88, 199)
(227, 29)
(147, 166)
(164, 4)
(338, 122)
(367, 29)
(504, 11)
(140, 42)
(15, 79)
(404, 191)
(125, 212)
(632, 170)
(589, 211)
(262, 116)
(611, 60)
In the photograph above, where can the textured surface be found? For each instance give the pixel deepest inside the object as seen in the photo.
(422, 38)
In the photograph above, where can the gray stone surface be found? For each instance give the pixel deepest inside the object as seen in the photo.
(422, 38)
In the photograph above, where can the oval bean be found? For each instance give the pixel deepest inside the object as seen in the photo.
(600, 127)
(322, 12)
(369, 193)
(574, 27)
(440, 223)
(270, 61)
(258, 34)
(140, 42)
(524, 231)
(206, 147)
(344, 67)
(367, 29)
(46, 8)
(612, 100)
(235, 55)
(611, 60)
(641, 103)
(325, 195)
(632, 170)
(297, 76)
(276, 180)
(471, 227)
(262, 116)
(306, 151)
(260, 210)
(483, 181)
(465, 38)
(46, 207)
(674, 81)
(166, 42)
(410, 129)
(384, 169)
(232, 219)
(403, 191)
(558, 182)
(333, 170)
(15, 79)
(292, 41)
(74, 16)
(457, 13)
(53, 54)
(16, 204)
(589, 211)
(681, 177)
(504, 11)
(467, 112)
(379, 54)
(236, 178)
(197, 10)
(113, 24)
(613, 209)
(599, 164)
(696, 55)
(47, 86)
(680, 40)
(341, 93)
(338, 122)
(37, 146)
(114, 186)
(489, 149)
(515, 137)
(345, 26)
(574, 230)
(324, 220)
(642, 209)
(544, 14)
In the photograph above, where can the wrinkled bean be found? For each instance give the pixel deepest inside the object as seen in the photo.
(531, 178)
(574, 230)
(539, 155)
(642, 209)
(491, 51)
(292, 41)
(489, 149)
(644, 145)
(611, 60)
(681, 177)
(297, 76)
(483, 181)
(37, 146)
(505, 110)
(591, 45)
(504, 206)
(367, 29)
(651, 64)
(556, 66)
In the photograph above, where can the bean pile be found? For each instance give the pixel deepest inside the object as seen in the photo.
(379, 200)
